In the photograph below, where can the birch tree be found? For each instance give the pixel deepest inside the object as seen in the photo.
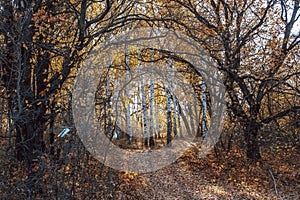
(128, 97)
(169, 111)
(204, 110)
(144, 106)
(151, 96)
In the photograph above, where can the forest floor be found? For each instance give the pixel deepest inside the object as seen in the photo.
(228, 176)
(222, 174)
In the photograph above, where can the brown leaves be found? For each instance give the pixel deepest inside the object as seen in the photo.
(130, 179)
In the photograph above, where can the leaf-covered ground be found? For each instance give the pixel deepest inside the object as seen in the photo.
(220, 175)
(230, 176)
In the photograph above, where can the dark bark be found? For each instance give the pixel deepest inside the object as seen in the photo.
(146, 141)
(26, 103)
(152, 141)
(30, 140)
(169, 128)
(252, 147)
(145, 138)
(51, 137)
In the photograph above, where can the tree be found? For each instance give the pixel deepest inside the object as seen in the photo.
(255, 44)
(128, 96)
(43, 44)
(151, 96)
(204, 110)
(144, 106)
(169, 112)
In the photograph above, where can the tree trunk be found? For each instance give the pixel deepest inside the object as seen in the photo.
(204, 110)
(169, 116)
(29, 137)
(144, 108)
(128, 96)
(151, 96)
(156, 118)
(251, 131)
(175, 116)
(169, 112)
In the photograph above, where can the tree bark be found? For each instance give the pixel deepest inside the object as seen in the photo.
(29, 137)
(251, 131)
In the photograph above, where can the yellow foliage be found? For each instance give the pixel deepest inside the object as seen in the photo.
(25, 46)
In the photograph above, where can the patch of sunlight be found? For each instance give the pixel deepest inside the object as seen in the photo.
(218, 190)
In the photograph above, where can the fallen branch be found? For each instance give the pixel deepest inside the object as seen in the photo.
(274, 181)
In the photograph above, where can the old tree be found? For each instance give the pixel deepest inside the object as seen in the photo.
(256, 46)
(42, 45)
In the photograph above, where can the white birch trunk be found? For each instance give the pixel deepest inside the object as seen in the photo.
(128, 104)
(117, 124)
(175, 113)
(204, 110)
(109, 121)
(151, 103)
(169, 121)
(144, 107)
(156, 118)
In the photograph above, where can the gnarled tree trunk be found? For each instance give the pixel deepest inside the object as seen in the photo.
(250, 132)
